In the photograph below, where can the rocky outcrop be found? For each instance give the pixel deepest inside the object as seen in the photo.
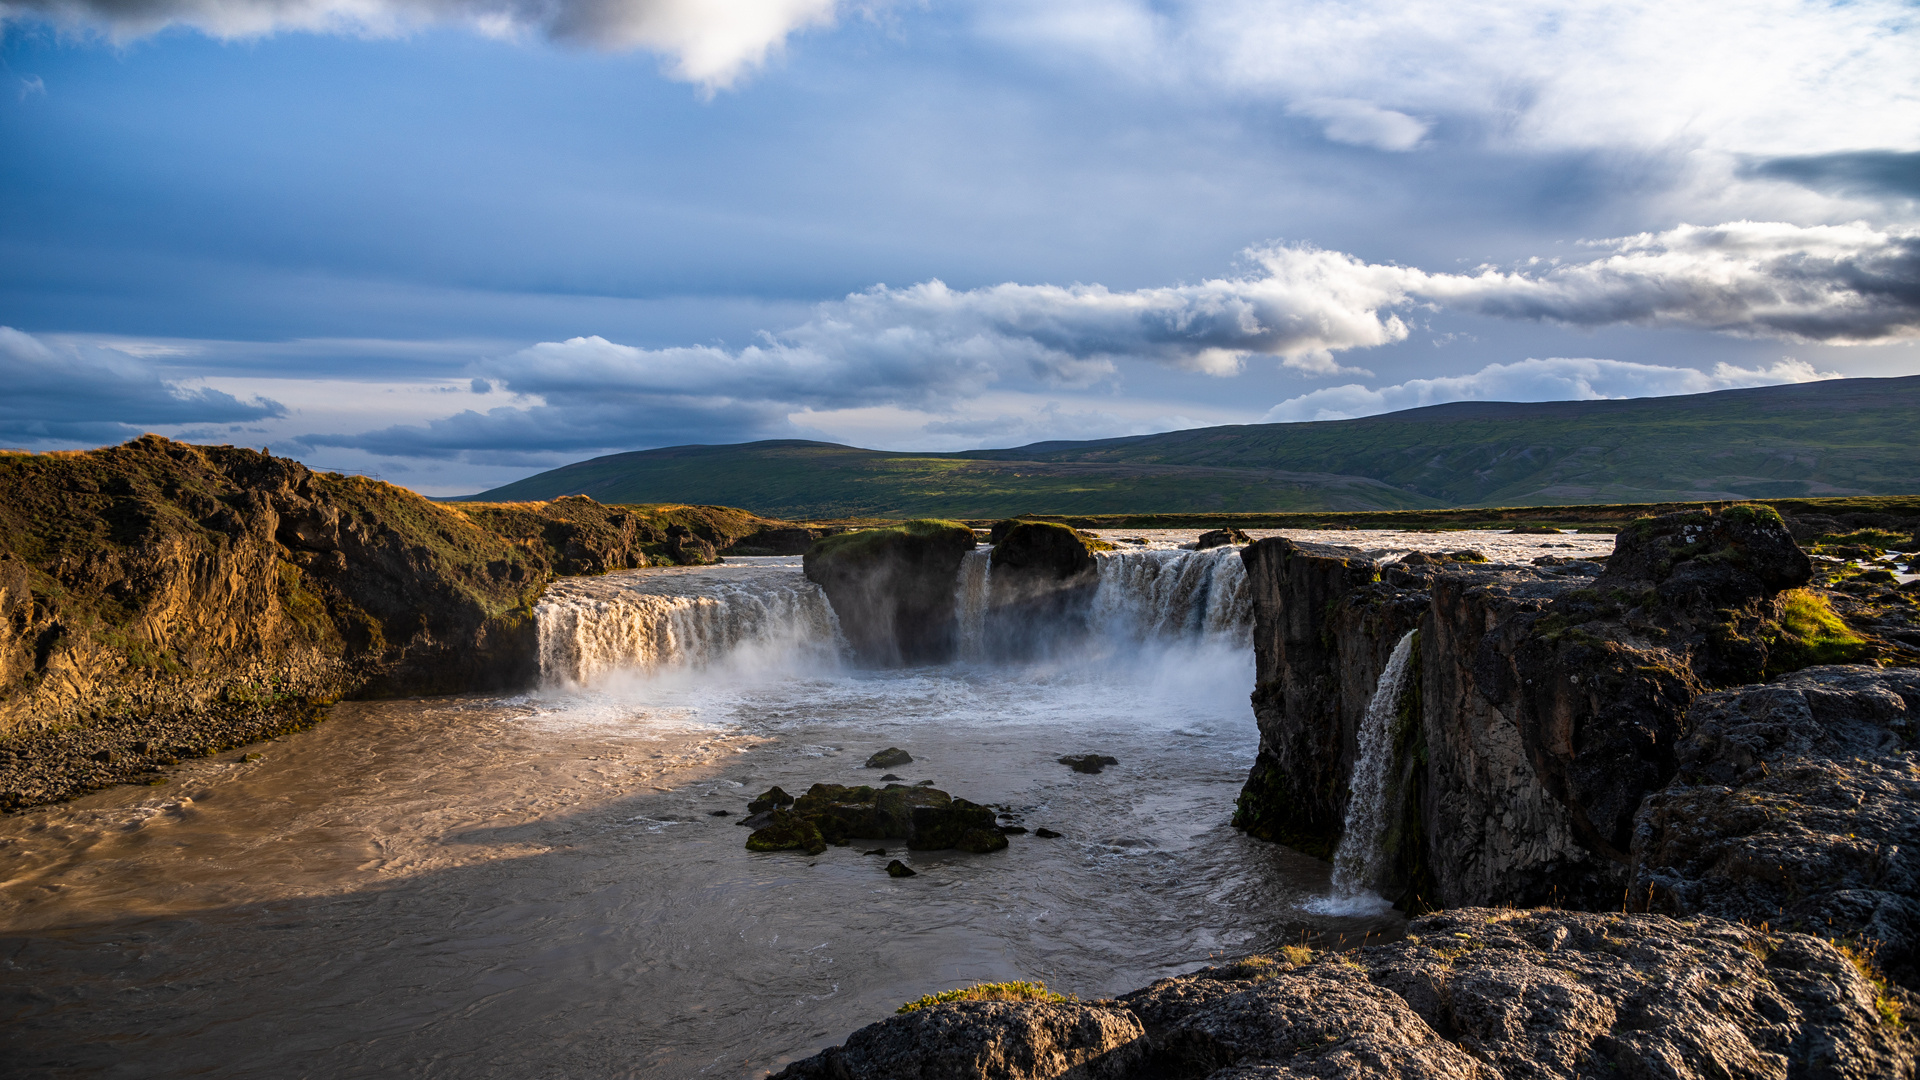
(892, 588)
(1796, 803)
(1549, 701)
(1040, 590)
(986, 1040)
(1474, 993)
(160, 600)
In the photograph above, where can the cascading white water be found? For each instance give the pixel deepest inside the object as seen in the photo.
(652, 621)
(971, 592)
(1357, 862)
(1173, 595)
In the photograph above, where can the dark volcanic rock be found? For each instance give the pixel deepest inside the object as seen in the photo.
(1221, 538)
(1797, 804)
(1088, 763)
(786, 831)
(770, 799)
(896, 868)
(985, 1040)
(888, 758)
(1479, 993)
(926, 818)
(892, 588)
(1041, 589)
(1324, 626)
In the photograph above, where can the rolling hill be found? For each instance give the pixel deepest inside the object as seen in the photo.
(1844, 437)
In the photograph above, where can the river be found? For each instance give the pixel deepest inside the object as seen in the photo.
(540, 885)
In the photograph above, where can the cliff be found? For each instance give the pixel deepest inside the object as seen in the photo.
(1552, 742)
(160, 600)
(892, 588)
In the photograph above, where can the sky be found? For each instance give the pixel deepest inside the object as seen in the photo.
(452, 243)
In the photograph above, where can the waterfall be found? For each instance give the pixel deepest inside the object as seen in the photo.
(970, 603)
(1357, 861)
(1173, 595)
(650, 620)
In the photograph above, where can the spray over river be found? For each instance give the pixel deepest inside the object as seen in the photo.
(537, 885)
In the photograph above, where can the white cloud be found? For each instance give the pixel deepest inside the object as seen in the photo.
(1553, 379)
(710, 42)
(1362, 123)
(928, 347)
(1838, 284)
(1742, 76)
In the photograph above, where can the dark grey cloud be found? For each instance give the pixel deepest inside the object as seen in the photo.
(67, 393)
(1862, 172)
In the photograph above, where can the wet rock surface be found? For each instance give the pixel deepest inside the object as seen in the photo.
(927, 818)
(1041, 587)
(1475, 993)
(892, 588)
(888, 758)
(1088, 763)
(1221, 538)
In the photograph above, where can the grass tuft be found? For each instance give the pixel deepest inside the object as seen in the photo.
(1000, 991)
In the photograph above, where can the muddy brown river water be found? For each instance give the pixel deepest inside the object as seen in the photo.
(538, 885)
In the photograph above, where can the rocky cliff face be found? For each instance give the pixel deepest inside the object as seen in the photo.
(1796, 803)
(1550, 700)
(892, 588)
(160, 600)
(1041, 587)
(1475, 993)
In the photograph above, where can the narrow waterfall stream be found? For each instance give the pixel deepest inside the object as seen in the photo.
(971, 592)
(1357, 861)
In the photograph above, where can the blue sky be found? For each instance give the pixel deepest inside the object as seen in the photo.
(452, 242)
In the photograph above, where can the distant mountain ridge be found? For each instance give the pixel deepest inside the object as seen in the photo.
(1842, 437)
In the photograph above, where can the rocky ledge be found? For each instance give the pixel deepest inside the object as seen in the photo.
(1470, 994)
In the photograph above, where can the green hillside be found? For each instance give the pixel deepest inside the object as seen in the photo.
(1846, 437)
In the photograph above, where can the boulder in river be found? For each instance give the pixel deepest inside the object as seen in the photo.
(896, 868)
(927, 818)
(888, 758)
(787, 832)
(1088, 763)
(771, 799)
(892, 588)
(1221, 538)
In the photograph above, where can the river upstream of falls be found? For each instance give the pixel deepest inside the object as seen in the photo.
(538, 886)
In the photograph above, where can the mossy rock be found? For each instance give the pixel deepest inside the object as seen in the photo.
(888, 758)
(788, 832)
(771, 799)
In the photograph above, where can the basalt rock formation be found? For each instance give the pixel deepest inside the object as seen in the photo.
(1548, 702)
(1472, 994)
(1041, 586)
(160, 600)
(892, 588)
(1796, 803)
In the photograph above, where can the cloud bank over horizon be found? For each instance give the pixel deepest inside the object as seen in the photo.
(931, 349)
(66, 393)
